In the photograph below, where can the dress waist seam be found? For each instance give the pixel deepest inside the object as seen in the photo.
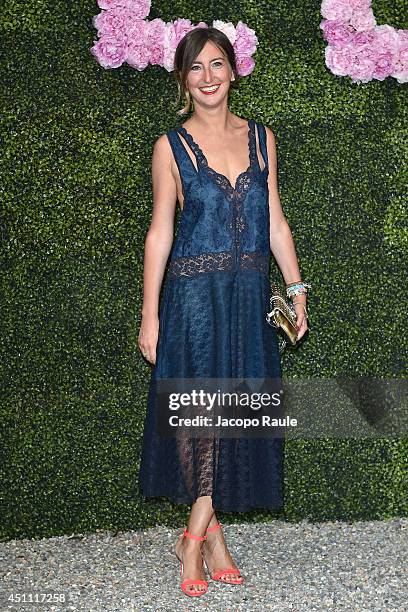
(224, 261)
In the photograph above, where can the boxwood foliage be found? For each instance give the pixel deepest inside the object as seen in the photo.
(76, 203)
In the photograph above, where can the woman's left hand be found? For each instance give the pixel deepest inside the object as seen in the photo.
(301, 320)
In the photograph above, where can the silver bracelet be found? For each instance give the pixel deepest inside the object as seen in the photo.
(297, 288)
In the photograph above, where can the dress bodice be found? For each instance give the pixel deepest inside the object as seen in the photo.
(222, 227)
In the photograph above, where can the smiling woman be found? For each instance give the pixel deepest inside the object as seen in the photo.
(205, 74)
(211, 323)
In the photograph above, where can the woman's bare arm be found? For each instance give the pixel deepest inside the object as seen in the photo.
(158, 243)
(280, 235)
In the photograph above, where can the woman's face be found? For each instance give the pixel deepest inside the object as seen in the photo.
(209, 77)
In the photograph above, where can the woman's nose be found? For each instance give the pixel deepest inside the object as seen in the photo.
(208, 77)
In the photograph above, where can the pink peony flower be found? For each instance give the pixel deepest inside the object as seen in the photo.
(336, 32)
(169, 47)
(181, 28)
(400, 71)
(141, 8)
(363, 20)
(116, 22)
(362, 68)
(227, 28)
(138, 51)
(155, 41)
(363, 39)
(110, 52)
(339, 59)
(246, 41)
(383, 51)
(359, 5)
(386, 38)
(384, 65)
(245, 65)
(337, 10)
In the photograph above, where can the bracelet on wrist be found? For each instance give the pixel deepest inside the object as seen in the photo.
(297, 288)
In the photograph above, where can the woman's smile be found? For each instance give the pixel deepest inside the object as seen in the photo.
(210, 89)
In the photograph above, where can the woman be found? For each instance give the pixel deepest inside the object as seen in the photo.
(212, 318)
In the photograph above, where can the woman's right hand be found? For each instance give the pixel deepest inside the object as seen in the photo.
(148, 337)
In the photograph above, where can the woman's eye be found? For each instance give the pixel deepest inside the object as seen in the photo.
(214, 65)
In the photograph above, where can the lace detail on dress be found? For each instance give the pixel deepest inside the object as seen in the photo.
(206, 262)
(218, 262)
(235, 195)
(243, 182)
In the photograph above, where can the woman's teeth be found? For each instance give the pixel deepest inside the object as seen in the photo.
(209, 90)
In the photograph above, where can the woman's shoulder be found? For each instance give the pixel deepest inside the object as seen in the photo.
(164, 138)
(270, 136)
(162, 147)
(162, 141)
(260, 124)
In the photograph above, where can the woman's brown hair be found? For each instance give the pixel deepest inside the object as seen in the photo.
(188, 49)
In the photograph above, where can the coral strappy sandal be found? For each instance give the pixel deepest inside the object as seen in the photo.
(189, 581)
(230, 570)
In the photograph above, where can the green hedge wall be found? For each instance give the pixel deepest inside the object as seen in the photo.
(76, 204)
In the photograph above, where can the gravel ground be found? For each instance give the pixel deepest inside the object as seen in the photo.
(359, 566)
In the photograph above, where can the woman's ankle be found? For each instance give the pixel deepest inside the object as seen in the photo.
(213, 522)
(192, 545)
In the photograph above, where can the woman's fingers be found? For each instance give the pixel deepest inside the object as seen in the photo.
(150, 354)
(301, 320)
(147, 348)
(301, 325)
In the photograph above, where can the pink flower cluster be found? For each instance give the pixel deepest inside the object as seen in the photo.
(358, 47)
(125, 35)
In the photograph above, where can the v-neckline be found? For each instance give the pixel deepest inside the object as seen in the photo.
(203, 159)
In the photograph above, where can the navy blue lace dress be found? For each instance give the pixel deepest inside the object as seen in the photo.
(212, 325)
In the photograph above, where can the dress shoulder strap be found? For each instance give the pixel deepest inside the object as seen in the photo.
(262, 143)
(185, 166)
(183, 160)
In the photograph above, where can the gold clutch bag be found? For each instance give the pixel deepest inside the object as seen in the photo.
(282, 316)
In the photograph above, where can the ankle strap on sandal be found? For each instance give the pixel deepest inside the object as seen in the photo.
(187, 534)
(214, 527)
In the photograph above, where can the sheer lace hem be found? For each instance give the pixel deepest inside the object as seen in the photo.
(219, 262)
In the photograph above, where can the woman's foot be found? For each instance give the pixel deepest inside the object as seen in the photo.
(218, 557)
(189, 552)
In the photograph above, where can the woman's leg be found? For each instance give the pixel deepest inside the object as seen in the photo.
(216, 552)
(190, 550)
(213, 521)
(200, 516)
